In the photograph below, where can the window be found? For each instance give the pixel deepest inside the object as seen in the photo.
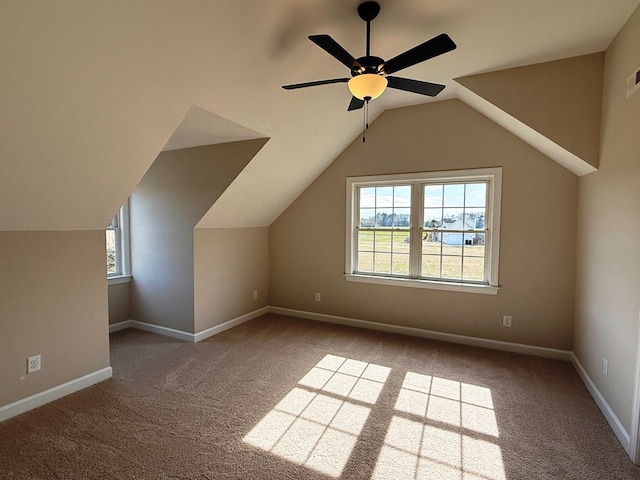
(431, 230)
(117, 244)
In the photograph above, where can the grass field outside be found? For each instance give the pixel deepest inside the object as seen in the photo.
(387, 252)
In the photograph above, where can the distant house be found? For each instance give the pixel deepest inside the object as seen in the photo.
(458, 238)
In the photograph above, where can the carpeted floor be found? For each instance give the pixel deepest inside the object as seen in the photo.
(283, 398)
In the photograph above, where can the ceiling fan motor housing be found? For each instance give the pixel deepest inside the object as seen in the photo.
(368, 64)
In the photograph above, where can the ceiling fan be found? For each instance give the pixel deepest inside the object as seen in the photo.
(370, 75)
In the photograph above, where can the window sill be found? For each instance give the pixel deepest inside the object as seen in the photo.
(414, 283)
(118, 279)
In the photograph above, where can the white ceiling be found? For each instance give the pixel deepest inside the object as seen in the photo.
(91, 92)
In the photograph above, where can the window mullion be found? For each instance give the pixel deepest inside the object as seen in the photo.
(417, 215)
(125, 239)
(488, 240)
(355, 229)
(118, 242)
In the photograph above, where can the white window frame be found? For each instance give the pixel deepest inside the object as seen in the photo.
(120, 224)
(493, 177)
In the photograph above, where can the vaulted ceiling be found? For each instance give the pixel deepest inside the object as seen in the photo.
(91, 92)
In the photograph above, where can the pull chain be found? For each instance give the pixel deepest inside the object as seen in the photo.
(365, 118)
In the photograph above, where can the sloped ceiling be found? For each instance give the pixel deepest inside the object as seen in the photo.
(554, 106)
(200, 127)
(91, 92)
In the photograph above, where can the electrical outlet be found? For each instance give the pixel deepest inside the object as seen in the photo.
(318, 297)
(605, 367)
(506, 321)
(33, 364)
(255, 294)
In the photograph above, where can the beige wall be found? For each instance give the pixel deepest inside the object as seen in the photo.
(54, 303)
(562, 100)
(119, 303)
(608, 253)
(172, 197)
(537, 257)
(229, 265)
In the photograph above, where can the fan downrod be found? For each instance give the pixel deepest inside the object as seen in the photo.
(368, 10)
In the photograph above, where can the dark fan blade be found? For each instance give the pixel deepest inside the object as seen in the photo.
(355, 104)
(429, 49)
(313, 84)
(415, 86)
(334, 49)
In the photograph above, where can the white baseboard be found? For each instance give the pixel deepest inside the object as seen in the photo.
(615, 424)
(42, 398)
(116, 327)
(209, 332)
(149, 327)
(186, 336)
(418, 332)
(166, 331)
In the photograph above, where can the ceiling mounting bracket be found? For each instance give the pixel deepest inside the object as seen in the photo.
(368, 10)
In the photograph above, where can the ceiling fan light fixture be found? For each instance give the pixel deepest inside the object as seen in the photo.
(367, 86)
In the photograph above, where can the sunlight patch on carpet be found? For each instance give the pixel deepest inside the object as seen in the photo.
(443, 429)
(318, 422)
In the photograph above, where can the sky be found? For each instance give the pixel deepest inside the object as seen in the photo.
(439, 200)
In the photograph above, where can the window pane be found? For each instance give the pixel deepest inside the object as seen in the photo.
(382, 263)
(117, 241)
(401, 242)
(473, 269)
(476, 248)
(475, 195)
(402, 196)
(365, 241)
(452, 218)
(367, 197)
(401, 217)
(384, 197)
(432, 196)
(474, 251)
(383, 217)
(431, 243)
(478, 245)
(382, 241)
(454, 249)
(452, 267)
(380, 250)
(473, 218)
(468, 239)
(365, 251)
(400, 264)
(432, 217)
(365, 262)
(111, 251)
(431, 266)
(454, 195)
(367, 217)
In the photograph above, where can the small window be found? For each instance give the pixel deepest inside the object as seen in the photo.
(430, 230)
(117, 244)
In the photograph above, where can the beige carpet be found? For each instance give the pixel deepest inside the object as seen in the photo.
(282, 398)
